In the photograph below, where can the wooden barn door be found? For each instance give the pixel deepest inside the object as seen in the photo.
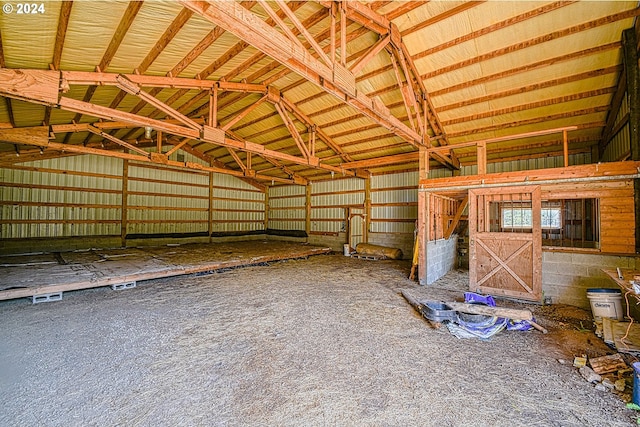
(505, 242)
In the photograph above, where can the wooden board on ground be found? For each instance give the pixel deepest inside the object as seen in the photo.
(609, 363)
(24, 277)
(630, 344)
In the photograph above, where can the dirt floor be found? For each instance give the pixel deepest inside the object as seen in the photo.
(326, 341)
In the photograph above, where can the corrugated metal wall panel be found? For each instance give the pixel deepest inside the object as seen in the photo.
(287, 207)
(67, 208)
(395, 210)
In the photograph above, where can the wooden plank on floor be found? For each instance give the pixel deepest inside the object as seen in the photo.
(96, 268)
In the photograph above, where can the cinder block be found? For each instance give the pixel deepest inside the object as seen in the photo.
(121, 286)
(601, 260)
(55, 296)
(559, 257)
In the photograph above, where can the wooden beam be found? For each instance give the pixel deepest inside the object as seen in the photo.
(598, 50)
(132, 88)
(112, 138)
(305, 33)
(377, 47)
(292, 130)
(362, 14)
(279, 22)
(456, 218)
(255, 31)
(576, 173)
(242, 114)
(533, 42)
(124, 203)
(441, 17)
(112, 114)
(534, 13)
(534, 105)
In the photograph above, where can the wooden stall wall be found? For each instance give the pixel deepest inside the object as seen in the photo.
(616, 210)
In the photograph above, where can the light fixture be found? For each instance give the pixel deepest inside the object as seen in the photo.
(332, 174)
(147, 132)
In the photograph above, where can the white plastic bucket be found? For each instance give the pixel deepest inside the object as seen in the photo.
(347, 252)
(605, 303)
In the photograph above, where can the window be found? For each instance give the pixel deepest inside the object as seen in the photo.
(569, 223)
(516, 217)
(574, 223)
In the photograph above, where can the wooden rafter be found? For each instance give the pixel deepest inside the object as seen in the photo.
(533, 87)
(43, 87)
(121, 31)
(532, 42)
(242, 114)
(494, 27)
(403, 8)
(279, 22)
(303, 31)
(597, 50)
(292, 129)
(254, 30)
(94, 130)
(441, 17)
(532, 105)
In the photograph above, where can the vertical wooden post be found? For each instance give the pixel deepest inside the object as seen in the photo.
(159, 141)
(565, 147)
(367, 209)
(123, 207)
(422, 235)
(307, 210)
(482, 157)
(630, 60)
(210, 211)
(213, 107)
(423, 214)
(423, 163)
(266, 207)
(343, 33)
(332, 33)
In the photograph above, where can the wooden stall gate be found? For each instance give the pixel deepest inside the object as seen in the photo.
(505, 242)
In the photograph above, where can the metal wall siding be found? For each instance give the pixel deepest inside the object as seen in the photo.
(620, 145)
(35, 219)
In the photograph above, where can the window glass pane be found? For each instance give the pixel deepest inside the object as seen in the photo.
(550, 218)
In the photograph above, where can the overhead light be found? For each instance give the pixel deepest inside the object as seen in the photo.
(147, 132)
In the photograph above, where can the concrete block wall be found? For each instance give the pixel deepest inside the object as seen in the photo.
(402, 241)
(441, 257)
(334, 242)
(567, 276)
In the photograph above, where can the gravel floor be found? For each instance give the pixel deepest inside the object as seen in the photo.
(326, 341)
